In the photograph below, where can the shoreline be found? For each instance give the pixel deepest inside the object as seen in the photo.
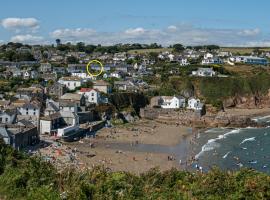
(137, 147)
(122, 153)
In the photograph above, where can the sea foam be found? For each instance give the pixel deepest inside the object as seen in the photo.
(212, 144)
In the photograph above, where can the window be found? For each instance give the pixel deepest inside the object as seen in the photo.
(92, 94)
(26, 113)
(6, 119)
(34, 113)
(34, 109)
(92, 99)
(74, 84)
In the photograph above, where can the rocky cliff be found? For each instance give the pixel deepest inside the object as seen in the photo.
(251, 101)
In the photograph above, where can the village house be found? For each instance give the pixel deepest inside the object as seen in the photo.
(51, 107)
(56, 90)
(50, 123)
(45, 67)
(102, 86)
(168, 102)
(62, 122)
(29, 111)
(71, 82)
(59, 70)
(117, 74)
(210, 61)
(183, 61)
(19, 137)
(251, 60)
(8, 116)
(79, 99)
(30, 74)
(92, 95)
(195, 104)
(30, 92)
(49, 76)
(122, 56)
(125, 86)
(205, 72)
(4, 103)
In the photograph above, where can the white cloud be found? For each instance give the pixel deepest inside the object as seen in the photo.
(70, 34)
(20, 23)
(172, 28)
(249, 32)
(27, 39)
(135, 31)
(183, 33)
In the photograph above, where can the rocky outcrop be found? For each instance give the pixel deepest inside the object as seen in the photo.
(222, 119)
(251, 101)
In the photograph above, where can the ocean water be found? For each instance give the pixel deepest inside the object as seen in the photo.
(234, 148)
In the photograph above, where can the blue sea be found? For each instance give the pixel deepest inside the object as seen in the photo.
(234, 148)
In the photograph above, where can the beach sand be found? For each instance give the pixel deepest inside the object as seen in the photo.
(144, 132)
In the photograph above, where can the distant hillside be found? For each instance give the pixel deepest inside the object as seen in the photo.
(141, 51)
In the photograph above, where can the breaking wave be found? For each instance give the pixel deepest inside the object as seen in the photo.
(248, 140)
(212, 143)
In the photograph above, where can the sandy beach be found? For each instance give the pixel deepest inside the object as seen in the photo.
(135, 147)
(99, 150)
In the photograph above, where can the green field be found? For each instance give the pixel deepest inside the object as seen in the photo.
(142, 51)
(244, 50)
(241, 50)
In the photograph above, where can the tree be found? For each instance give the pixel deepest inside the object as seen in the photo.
(72, 60)
(58, 42)
(178, 47)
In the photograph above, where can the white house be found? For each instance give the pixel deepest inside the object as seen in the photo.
(171, 57)
(208, 56)
(92, 95)
(45, 67)
(252, 60)
(204, 72)
(194, 104)
(172, 102)
(8, 116)
(71, 82)
(183, 62)
(30, 112)
(82, 75)
(117, 74)
(210, 61)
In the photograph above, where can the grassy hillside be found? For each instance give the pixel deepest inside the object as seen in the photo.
(22, 178)
(142, 51)
(244, 50)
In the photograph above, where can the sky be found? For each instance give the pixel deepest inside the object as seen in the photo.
(106, 22)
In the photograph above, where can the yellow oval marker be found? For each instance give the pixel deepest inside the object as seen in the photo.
(94, 61)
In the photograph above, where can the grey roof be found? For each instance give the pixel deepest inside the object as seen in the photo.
(30, 106)
(52, 117)
(26, 123)
(9, 112)
(65, 103)
(51, 105)
(71, 96)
